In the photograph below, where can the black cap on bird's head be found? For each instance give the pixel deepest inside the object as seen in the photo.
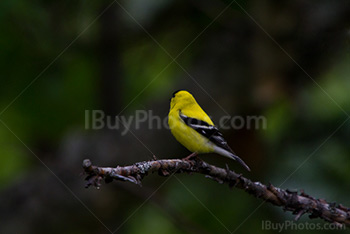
(181, 98)
(177, 91)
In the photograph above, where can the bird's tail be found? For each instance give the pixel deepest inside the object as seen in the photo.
(230, 155)
(238, 159)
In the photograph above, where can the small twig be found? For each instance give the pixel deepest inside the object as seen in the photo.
(297, 203)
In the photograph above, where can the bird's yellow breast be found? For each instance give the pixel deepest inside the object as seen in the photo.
(187, 136)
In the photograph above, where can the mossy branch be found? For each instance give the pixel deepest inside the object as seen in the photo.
(298, 203)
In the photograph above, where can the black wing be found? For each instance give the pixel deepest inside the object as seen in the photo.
(212, 133)
(207, 130)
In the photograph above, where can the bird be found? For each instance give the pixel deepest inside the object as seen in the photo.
(194, 129)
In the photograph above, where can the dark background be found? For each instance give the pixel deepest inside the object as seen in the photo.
(285, 60)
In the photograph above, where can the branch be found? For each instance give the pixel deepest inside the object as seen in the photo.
(297, 203)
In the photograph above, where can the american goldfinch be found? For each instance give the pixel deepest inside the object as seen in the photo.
(193, 128)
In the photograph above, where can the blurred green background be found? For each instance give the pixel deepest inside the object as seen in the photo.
(60, 58)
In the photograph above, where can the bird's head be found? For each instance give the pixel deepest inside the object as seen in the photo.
(181, 99)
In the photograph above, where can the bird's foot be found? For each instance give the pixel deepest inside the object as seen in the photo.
(189, 157)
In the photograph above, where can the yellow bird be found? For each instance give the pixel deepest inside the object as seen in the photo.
(193, 128)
